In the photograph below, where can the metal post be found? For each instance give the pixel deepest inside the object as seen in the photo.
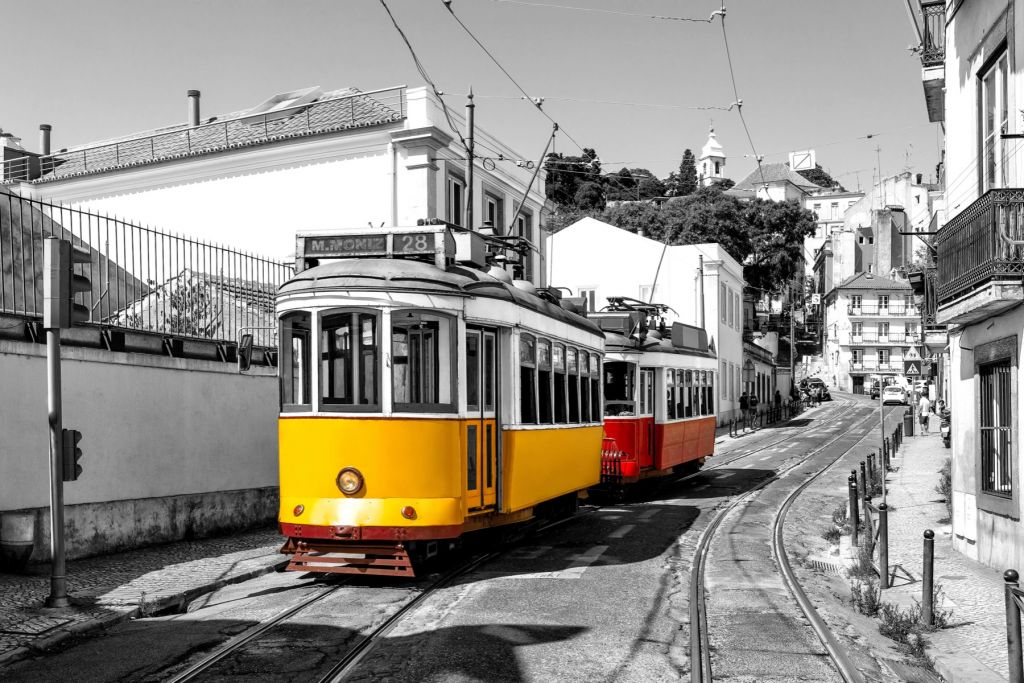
(58, 580)
(927, 572)
(871, 471)
(470, 147)
(1013, 645)
(881, 425)
(854, 509)
(865, 489)
(883, 544)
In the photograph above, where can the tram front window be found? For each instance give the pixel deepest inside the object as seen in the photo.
(619, 388)
(421, 361)
(349, 374)
(295, 361)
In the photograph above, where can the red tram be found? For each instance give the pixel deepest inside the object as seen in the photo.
(659, 399)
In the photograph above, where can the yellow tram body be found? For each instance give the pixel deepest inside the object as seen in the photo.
(423, 399)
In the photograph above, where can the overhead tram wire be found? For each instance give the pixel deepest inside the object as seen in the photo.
(656, 105)
(534, 102)
(736, 94)
(656, 17)
(423, 73)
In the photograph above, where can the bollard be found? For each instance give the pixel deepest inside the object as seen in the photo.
(869, 527)
(871, 471)
(885, 456)
(927, 572)
(864, 478)
(1013, 647)
(854, 509)
(883, 544)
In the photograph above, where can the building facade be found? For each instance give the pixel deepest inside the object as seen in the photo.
(701, 283)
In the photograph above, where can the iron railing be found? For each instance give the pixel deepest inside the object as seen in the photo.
(871, 365)
(899, 309)
(971, 250)
(141, 279)
(933, 46)
(349, 111)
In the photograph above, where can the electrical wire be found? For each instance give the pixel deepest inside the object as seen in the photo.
(608, 11)
(657, 105)
(448, 6)
(423, 73)
(736, 94)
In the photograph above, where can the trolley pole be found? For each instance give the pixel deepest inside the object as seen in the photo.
(58, 580)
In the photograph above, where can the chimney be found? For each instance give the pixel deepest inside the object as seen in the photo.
(193, 107)
(44, 138)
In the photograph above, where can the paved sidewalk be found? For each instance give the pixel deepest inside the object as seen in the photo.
(974, 649)
(112, 588)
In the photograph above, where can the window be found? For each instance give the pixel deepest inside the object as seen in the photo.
(723, 386)
(295, 328)
(527, 379)
(858, 355)
(349, 370)
(857, 329)
(670, 393)
(996, 426)
(684, 394)
(573, 378)
(646, 391)
(544, 382)
(732, 310)
(817, 210)
(585, 414)
(524, 228)
(856, 301)
(595, 387)
(456, 199)
(619, 388)
(494, 211)
(883, 303)
(883, 329)
(590, 297)
(739, 311)
(834, 211)
(883, 356)
(421, 362)
(994, 120)
(558, 363)
(718, 168)
(722, 305)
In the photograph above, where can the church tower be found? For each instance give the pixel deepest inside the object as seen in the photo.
(711, 165)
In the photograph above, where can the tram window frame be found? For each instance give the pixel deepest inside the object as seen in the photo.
(528, 412)
(585, 416)
(595, 387)
(358, 353)
(558, 370)
(572, 374)
(686, 391)
(670, 391)
(619, 388)
(545, 383)
(709, 392)
(443, 376)
(295, 327)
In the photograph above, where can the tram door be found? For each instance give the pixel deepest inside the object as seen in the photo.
(646, 425)
(481, 423)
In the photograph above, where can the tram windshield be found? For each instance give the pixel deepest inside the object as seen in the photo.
(619, 388)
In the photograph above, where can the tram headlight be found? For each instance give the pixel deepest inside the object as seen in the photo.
(349, 481)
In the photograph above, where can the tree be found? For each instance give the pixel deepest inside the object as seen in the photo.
(684, 182)
(620, 186)
(589, 196)
(707, 215)
(819, 176)
(777, 231)
(637, 217)
(565, 175)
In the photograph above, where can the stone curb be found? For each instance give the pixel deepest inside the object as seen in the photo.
(121, 614)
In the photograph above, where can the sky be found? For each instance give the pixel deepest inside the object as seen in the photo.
(812, 74)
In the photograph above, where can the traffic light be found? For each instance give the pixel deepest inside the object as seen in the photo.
(61, 283)
(71, 454)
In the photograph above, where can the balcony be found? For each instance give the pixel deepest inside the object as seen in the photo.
(874, 310)
(933, 58)
(873, 338)
(870, 365)
(979, 265)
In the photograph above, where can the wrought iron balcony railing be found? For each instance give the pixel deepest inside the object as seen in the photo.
(874, 309)
(933, 46)
(872, 365)
(975, 248)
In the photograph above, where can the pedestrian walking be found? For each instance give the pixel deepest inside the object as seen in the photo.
(744, 404)
(752, 405)
(778, 399)
(924, 407)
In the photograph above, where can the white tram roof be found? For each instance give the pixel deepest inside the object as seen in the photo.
(391, 275)
(617, 343)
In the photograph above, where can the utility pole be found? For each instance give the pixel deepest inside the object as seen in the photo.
(792, 340)
(469, 161)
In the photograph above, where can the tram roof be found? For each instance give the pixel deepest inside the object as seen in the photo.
(380, 274)
(617, 343)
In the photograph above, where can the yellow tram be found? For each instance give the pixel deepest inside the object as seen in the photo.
(424, 395)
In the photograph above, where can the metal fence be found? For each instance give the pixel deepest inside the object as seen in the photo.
(354, 110)
(141, 279)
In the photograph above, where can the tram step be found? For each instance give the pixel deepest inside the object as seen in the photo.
(350, 558)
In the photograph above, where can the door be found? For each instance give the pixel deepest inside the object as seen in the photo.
(646, 410)
(481, 420)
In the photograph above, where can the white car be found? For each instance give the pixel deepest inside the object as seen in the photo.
(894, 394)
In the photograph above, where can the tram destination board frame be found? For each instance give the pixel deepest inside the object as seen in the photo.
(421, 242)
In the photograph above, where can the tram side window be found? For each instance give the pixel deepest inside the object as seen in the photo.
(573, 378)
(348, 355)
(618, 388)
(670, 393)
(528, 379)
(595, 387)
(710, 393)
(421, 361)
(585, 388)
(544, 381)
(558, 363)
(295, 328)
(686, 391)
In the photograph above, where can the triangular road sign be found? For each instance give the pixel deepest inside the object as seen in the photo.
(912, 354)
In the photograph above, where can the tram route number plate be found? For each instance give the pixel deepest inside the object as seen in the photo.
(370, 245)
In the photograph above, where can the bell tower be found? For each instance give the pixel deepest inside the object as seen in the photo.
(711, 165)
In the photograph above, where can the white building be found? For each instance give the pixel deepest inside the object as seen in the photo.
(304, 160)
(711, 165)
(597, 260)
(830, 207)
(776, 181)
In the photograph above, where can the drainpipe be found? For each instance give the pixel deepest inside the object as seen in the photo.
(393, 185)
(193, 108)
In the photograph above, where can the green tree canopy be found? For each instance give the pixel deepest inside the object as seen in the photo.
(565, 175)
(683, 182)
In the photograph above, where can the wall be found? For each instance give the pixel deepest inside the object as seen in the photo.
(171, 447)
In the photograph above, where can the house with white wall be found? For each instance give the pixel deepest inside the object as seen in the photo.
(701, 283)
(305, 160)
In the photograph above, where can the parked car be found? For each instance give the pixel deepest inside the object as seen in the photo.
(894, 394)
(814, 382)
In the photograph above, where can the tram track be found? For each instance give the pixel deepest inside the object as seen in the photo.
(700, 650)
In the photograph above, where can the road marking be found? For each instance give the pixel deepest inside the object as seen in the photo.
(646, 516)
(529, 552)
(622, 531)
(580, 563)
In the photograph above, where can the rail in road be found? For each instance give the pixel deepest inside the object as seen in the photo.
(771, 497)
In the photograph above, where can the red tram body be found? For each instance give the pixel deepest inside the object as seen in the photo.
(658, 399)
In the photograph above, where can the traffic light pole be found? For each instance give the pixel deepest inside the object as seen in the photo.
(58, 580)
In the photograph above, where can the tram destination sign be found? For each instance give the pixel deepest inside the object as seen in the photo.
(374, 244)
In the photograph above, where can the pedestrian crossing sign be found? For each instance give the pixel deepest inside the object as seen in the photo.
(912, 354)
(912, 368)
